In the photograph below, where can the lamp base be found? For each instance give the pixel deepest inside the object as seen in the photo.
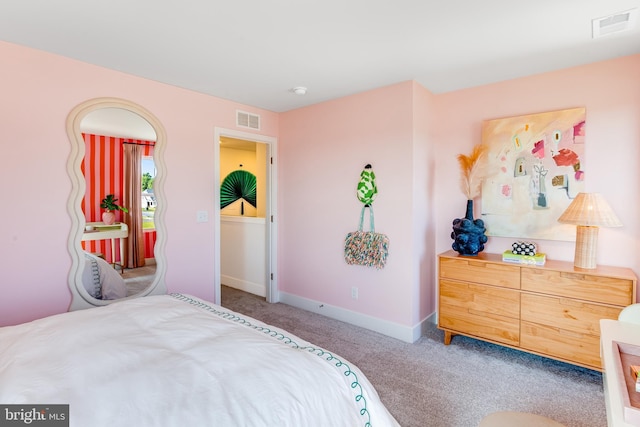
(586, 245)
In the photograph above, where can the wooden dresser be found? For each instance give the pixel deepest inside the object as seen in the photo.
(553, 310)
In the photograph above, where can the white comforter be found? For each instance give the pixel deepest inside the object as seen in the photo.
(175, 360)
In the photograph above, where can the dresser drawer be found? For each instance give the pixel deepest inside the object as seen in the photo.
(588, 287)
(574, 347)
(564, 313)
(470, 270)
(552, 310)
(488, 312)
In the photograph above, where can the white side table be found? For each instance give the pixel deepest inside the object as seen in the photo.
(615, 334)
(101, 231)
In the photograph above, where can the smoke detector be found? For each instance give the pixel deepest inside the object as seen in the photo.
(621, 21)
(299, 90)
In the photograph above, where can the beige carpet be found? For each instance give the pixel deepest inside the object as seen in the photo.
(428, 384)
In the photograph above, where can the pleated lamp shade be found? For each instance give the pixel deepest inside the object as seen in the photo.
(588, 211)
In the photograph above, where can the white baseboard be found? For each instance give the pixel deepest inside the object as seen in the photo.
(391, 329)
(244, 285)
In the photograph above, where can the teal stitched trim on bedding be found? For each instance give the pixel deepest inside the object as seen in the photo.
(95, 278)
(323, 354)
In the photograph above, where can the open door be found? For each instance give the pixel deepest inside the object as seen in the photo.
(244, 213)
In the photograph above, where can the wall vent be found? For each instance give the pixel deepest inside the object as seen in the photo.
(247, 120)
(615, 23)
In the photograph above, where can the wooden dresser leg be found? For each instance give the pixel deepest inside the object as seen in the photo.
(447, 337)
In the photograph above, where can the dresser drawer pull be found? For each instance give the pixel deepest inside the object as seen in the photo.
(566, 333)
(476, 264)
(570, 302)
(573, 276)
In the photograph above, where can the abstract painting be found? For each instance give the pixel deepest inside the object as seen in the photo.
(535, 167)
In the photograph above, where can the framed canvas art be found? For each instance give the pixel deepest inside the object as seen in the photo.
(535, 167)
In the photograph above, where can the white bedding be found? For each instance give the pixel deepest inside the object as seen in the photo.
(175, 360)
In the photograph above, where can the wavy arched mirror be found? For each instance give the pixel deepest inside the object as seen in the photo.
(117, 152)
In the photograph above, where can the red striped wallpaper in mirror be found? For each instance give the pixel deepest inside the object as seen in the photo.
(102, 168)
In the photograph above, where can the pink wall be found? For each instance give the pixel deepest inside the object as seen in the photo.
(410, 136)
(610, 92)
(38, 92)
(323, 148)
(423, 208)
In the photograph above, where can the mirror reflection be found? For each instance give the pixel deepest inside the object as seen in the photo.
(116, 252)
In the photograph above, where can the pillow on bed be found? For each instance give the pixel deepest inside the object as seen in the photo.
(101, 280)
(91, 276)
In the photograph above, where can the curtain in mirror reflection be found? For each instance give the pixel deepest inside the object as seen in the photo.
(103, 170)
(132, 199)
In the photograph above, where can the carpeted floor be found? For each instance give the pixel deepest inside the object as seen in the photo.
(139, 279)
(428, 384)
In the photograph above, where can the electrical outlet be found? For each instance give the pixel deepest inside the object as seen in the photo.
(202, 216)
(354, 292)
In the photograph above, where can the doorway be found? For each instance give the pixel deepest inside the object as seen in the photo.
(241, 213)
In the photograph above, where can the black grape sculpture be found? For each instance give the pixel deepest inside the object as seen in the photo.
(468, 234)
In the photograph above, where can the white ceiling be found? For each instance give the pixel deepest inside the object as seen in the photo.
(255, 51)
(118, 122)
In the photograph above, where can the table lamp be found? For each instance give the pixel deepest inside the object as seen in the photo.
(588, 211)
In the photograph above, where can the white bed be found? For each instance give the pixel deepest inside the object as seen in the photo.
(176, 360)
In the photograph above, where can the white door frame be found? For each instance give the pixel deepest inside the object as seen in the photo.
(270, 213)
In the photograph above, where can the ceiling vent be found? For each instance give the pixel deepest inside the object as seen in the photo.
(615, 23)
(247, 120)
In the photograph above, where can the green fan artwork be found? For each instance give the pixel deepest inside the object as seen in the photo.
(238, 185)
